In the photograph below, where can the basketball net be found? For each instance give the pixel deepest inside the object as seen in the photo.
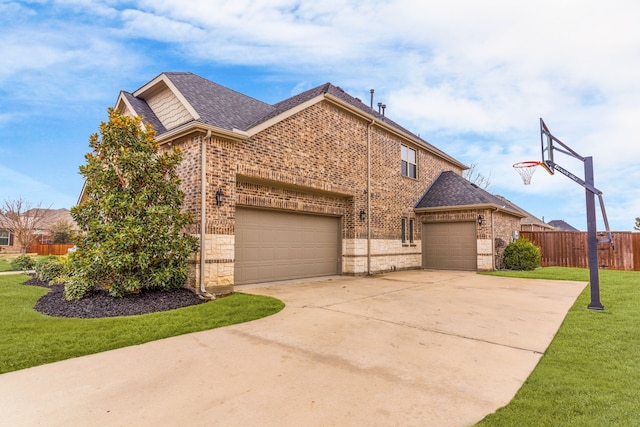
(526, 170)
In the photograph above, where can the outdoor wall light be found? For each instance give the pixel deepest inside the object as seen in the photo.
(479, 219)
(219, 195)
(362, 214)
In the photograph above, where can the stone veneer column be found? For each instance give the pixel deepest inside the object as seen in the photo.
(219, 264)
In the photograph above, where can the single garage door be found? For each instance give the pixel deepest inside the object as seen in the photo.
(449, 246)
(272, 245)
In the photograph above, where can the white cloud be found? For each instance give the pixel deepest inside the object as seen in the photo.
(470, 77)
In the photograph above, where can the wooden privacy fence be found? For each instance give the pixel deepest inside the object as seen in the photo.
(50, 249)
(569, 249)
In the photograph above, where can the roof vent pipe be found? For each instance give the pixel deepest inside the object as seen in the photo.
(383, 107)
(371, 91)
(379, 107)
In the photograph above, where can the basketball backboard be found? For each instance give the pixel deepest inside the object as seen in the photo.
(546, 147)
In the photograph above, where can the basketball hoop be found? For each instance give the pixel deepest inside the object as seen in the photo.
(526, 170)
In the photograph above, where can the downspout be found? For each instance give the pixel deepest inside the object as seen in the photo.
(203, 214)
(369, 196)
(493, 240)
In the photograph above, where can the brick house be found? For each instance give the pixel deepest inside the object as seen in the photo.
(465, 227)
(47, 219)
(7, 241)
(318, 184)
(529, 222)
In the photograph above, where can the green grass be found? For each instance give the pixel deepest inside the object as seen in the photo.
(29, 338)
(590, 374)
(5, 265)
(5, 261)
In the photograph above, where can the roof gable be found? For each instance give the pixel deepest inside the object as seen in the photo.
(139, 107)
(450, 190)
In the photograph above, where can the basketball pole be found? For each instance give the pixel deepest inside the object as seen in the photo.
(592, 237)
(590, 193)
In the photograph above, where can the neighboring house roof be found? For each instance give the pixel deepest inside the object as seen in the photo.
(214, 105)
(450, 190)
(561, 225)
(53, 216)
(529, 218)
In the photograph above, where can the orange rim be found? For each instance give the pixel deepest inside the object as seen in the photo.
(527, 164)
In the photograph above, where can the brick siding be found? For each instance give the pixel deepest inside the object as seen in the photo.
(316, 162)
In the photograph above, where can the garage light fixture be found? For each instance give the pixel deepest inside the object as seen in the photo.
(362, 215)
(479, 219)
(219, 195)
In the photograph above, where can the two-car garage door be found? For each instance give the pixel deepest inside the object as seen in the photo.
(272, 245)
(449, 246)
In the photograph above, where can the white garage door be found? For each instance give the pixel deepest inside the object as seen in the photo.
(449, 246)
(271, 245)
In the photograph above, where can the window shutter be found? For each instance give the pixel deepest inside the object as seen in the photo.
(10, 239)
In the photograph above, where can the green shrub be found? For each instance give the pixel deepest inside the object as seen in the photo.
(23, 262)
(51, 268)
(521, 255)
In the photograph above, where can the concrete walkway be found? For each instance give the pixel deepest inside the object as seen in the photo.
(423, 348)
(7, 273)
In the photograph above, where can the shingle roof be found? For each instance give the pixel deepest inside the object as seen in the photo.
(450, 189)
(227, 109)
(562, 225)
(142, 109)
(217, 105)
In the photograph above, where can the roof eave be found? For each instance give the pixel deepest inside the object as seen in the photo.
(357, 112)
(284, 115)
(199, 127)
(393, 130)
(127, 105)
(467, 207)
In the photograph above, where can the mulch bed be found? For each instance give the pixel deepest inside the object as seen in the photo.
(100, 304)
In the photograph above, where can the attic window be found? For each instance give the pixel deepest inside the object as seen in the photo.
(408, 166)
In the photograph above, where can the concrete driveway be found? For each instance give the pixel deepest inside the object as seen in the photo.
(427, 348)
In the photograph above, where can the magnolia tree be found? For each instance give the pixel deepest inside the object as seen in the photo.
(133, 229)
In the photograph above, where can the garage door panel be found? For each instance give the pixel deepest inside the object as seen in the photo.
(449, 246)
(279, 245)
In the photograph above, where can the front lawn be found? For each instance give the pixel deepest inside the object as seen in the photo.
(5, 265)
(590, 373)
(5, 261)
(30, 338)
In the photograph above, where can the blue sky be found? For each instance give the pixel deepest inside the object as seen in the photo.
(472, 78)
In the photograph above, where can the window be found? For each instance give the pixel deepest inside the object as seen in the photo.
(4, 238)
(408, 165)
(410, 231)
(406, 232)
